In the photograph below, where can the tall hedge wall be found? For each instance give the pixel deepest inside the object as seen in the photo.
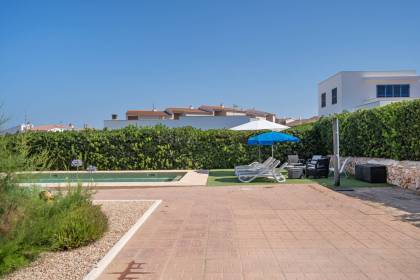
(392, 132)
(147, 148)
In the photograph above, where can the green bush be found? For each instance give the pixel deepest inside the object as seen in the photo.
(78, 227)
(392, 131)
(145, 148)
(67, 222)
(30, 225)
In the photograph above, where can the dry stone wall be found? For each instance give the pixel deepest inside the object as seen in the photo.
(405, 174)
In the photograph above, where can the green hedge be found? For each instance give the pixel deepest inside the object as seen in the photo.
(392, 131)
(145, 148)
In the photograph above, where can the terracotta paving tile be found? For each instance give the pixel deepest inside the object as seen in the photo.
(279, 235)
(223, 276)
(356, 276)
(286, 232)
(307, 235)
(229, 265)
(295, 276)
(263, 276)
(250, 235)
(413, 276)
(253, 243)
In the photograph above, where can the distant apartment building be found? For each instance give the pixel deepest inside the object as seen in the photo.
(53, 128)
(40, 128)
(146, 115)
(17, 129)
(302, 121)
(223, 111)
(178, 113)
(353, 90)
(203, 117)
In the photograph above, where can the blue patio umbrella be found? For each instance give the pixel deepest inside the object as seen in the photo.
(270, 138)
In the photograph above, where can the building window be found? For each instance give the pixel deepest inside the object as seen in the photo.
(393, 91)
(334, 96)
(323, 100)
(405, 90)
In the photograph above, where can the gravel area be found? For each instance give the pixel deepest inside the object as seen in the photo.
(75, 264)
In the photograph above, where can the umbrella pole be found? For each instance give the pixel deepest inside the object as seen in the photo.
(259, 153)
(272, 151)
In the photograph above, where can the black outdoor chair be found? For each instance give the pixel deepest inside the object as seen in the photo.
(318, 168)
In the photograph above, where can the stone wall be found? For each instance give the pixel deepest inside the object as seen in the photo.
(405, 174)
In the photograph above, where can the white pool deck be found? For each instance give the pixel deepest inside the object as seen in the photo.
(191, 178)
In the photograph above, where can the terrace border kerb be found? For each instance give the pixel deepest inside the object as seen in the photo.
(113, 252)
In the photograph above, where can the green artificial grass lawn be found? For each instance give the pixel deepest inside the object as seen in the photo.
(226, 177)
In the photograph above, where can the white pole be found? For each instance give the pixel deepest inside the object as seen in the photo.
(336, 148)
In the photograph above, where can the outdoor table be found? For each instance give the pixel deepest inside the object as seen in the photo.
(295, 172)
(372, 173)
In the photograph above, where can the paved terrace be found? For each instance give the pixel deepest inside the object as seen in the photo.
(284, 232)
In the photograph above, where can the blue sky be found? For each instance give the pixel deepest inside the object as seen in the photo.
(79, 61)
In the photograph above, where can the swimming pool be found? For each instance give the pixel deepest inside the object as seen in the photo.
(100, 177)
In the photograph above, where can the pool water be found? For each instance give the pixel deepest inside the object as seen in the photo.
(103, 177)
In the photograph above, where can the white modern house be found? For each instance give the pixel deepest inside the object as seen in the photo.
(353, 90)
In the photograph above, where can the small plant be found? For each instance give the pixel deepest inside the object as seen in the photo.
(78, 227)
(33, 220)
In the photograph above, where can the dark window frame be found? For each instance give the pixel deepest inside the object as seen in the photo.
(392, 90)
(334, 97)
(323, 100)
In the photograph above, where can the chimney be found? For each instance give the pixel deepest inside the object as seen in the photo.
(114, 117)
(191, 107)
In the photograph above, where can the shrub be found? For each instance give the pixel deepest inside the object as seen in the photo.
(392, 131)
(78, 227)
(30, 225)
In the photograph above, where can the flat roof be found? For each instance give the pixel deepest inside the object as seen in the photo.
(187, 111)
(387, 74)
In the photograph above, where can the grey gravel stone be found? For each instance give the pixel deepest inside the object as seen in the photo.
(75, 264)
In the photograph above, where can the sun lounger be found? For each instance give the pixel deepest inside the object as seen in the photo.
(254, 165)
(269, 171)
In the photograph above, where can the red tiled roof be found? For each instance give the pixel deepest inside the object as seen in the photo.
(146, 113)
(303, 121)
(258, 113)
(173, 110)
(221, 108)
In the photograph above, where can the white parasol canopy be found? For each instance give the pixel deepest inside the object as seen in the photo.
(260, 125)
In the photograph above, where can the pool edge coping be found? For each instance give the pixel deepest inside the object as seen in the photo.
(196, 177)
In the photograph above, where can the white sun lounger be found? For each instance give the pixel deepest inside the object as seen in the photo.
(269, 171)
(254, 165)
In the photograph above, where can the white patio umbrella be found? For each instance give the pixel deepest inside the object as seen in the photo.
(260, 125)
